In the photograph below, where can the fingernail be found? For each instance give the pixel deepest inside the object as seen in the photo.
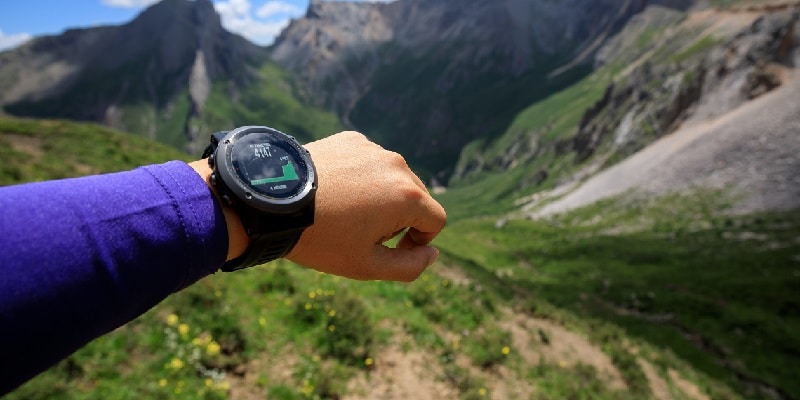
(434, 256)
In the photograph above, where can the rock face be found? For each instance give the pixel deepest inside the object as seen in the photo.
(748, 65)
(88, 74)
(427, 77)
(716, 123)
(701, 65)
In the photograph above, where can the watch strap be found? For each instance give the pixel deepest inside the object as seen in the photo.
(271, 237)
(265, 248)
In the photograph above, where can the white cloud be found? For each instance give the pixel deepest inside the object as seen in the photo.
(263, 25)
(8, 42)
(262, 28)
(128, 3)
(275, 7)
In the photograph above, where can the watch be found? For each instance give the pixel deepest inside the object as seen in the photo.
(269, 179)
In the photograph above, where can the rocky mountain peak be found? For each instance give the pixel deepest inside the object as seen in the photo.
(315, 9)
(171, 49)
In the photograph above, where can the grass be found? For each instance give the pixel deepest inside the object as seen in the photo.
(491, 188)
(717, 291)
(271, 100)
(51, 149)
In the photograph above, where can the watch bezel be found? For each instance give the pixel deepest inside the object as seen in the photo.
(243, 191)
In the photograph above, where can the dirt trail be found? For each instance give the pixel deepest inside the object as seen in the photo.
(414, 373)
(540, 340)
(754, 149)
(398, 374)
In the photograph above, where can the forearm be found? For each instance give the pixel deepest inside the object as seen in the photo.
(81, 257)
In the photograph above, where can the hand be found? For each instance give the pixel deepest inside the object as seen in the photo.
(366, 196)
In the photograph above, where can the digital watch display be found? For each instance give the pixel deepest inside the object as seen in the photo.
(268, 178)
(269, 166)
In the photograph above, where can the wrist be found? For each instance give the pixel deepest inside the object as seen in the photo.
(238, 241)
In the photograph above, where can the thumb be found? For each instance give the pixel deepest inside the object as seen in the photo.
(404, 264)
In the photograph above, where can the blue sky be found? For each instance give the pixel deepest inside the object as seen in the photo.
(257, 20)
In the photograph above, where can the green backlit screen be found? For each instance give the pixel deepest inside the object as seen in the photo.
(270, 167)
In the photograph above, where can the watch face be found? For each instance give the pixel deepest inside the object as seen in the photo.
(268, 165)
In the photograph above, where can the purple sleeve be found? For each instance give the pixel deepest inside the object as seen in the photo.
(80, 257)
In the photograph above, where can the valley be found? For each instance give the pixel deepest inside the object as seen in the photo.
(628, 228)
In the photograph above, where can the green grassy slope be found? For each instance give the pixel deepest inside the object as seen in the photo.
(37, 150)
(554, 118)
(717, 292)
(269, 100)
(273, 101)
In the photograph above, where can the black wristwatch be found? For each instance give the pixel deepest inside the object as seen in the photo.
(268, 178)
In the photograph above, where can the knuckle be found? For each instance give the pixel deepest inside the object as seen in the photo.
(413, 193)
(353, 135)
(396, 159)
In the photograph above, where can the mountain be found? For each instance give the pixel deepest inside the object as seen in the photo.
(427, 77)
(543, 93)
(665, 72)
(727, 121)
(172, 74)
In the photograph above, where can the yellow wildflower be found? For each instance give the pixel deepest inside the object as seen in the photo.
(162, 382)
(482, 391)
(369, 361)
(262, 321)
(183, 329)
(308, 306)
(176, 363)
(223, 386)
(311, 295)
(172, 320)
(308, 388)
(332, 313)
(506, 350)
(209, 382)
(213, 348)
(201, 340)
(331, 328)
